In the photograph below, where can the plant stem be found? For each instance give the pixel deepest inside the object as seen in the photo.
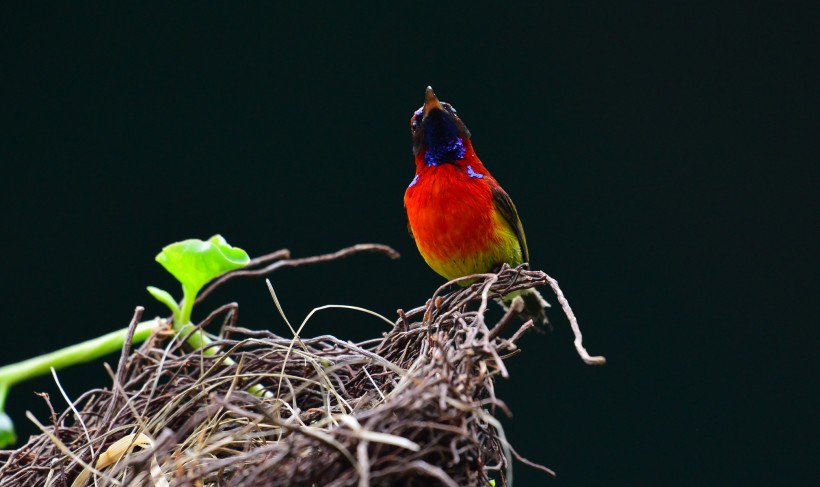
(81, 352)
(186, 306)
(182, 321)
(197, 338)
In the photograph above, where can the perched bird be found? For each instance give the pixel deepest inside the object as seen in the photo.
(463, 222)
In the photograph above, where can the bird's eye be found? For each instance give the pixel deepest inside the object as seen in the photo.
(415, 120)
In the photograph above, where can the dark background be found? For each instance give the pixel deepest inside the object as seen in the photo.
(661, 157)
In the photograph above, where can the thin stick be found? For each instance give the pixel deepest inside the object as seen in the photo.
(126, 346)
(531, 463)
(516, 306)
(353, 249)
(573, 322)
(71, 405)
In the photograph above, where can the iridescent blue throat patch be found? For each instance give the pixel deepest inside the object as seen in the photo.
(451, 151)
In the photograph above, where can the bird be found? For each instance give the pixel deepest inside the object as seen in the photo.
(462, 220)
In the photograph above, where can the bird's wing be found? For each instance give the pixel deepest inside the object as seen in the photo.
(505, 206)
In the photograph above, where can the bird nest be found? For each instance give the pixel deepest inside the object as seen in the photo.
(414, 407)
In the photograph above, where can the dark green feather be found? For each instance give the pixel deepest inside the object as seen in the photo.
(506, 208)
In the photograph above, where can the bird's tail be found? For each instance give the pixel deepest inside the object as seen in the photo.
(534, 305)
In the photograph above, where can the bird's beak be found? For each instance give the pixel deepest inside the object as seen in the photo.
(430, 101)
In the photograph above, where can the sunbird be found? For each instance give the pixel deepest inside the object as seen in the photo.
(463, 222)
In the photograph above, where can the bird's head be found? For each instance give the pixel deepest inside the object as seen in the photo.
(438, 134)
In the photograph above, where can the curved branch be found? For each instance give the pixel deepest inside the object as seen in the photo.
(287, 262)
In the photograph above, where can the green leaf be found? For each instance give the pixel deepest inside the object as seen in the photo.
(195, 262)
(7, 436)
(165, 298)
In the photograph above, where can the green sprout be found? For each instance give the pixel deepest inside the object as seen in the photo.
(193, 262)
